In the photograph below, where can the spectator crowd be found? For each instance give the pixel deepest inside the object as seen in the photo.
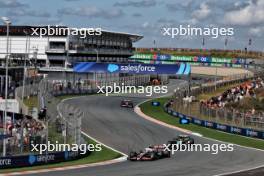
(22, 131)
(235, 95)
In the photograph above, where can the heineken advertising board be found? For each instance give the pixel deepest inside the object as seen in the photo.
(167, 57)
(231, 65)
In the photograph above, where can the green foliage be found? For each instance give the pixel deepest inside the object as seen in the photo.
(159, 114)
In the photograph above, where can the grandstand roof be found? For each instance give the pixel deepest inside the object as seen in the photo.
(19, 30)
(133, 37)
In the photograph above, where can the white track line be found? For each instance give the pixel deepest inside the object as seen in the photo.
(193, 133)
(117, 160)
(85, 134)
(124, 155)
(235, 172)
(138, 111)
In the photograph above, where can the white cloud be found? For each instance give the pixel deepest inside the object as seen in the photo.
(27, 12)
(182, 5)
(203, 12)
(141, 3)
(251, 14)
(11, 4)
(92, 11)
(257, 31)
(146, 24)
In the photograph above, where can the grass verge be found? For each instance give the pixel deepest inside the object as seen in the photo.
(31, 102)
(104, 155)
(159, 114)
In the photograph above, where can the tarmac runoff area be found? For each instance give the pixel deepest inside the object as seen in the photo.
(124, 130)
(219, 71)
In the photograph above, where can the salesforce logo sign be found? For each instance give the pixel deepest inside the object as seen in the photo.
(112, 68)
(32, 159)
(135, 68)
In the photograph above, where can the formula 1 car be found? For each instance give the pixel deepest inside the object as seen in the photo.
(150, 154)
(127, 104)
(183, 139)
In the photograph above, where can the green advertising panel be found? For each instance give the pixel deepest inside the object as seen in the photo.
(142, 56)
(221, 60)
(202, 59)
(182, 58)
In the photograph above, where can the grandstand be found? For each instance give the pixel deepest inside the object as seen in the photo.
(56, 54)
(60, 50)
(243, 53)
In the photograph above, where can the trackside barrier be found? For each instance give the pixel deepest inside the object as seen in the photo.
(249, 132)
(217, 126)
(44, 92)
(34, 160)
(74, 92)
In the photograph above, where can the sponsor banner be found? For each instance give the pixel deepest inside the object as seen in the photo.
(203, 59)
(32, 160)
(184, 121)
(133, 68)
(251, 133)
(209, 124)
(12, 105)
(236, 130)
(161, 57)
(182, 58)
(218, 126)
(143, 56)
(221, 127)
(207, 64)
(197, 121)
(180, 115)
(155, 103)
(175, 113)
(226, 60)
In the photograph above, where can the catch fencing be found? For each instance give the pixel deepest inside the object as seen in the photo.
(234, 117)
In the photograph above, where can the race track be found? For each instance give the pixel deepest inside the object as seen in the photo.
(124, 130)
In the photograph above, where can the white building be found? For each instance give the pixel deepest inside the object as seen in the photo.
(56, 50)
(55, 54)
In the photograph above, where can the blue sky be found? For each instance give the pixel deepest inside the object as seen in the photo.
(147, 17)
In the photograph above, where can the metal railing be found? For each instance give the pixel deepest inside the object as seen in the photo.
(65, 128)
(228, 116)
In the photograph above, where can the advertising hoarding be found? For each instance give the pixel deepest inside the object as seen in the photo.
(203, 59)
(133, 68)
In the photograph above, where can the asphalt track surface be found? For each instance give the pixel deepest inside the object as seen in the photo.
(254, 172)
(124, 130)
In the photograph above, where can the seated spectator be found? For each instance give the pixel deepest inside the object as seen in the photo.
(236, 94)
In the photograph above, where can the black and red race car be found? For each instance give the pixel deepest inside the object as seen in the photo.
(150, 154)
(127, 104)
